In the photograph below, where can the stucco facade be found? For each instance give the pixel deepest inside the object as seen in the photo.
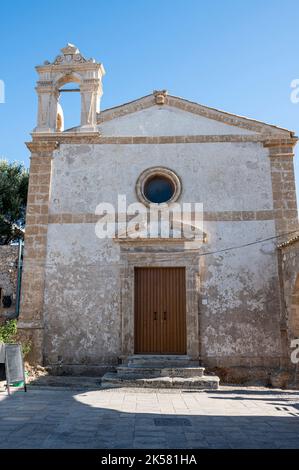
(78, 289)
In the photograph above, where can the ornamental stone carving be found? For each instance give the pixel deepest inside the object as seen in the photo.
(71, 54)
(160, 96)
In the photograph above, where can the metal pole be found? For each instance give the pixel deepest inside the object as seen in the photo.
(68, 90)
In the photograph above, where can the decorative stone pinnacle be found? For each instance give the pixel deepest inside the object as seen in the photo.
(70, 49)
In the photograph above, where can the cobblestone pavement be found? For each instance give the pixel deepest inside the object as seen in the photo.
(231, 417)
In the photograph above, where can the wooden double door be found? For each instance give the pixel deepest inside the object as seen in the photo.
(160, 311)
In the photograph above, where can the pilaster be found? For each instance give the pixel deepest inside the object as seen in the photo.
(31, 322)
(281, 152)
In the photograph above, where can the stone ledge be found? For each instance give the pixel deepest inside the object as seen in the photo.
(51, 141)
(208, 216)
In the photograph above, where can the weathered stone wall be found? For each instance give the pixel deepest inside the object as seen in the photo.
(30, 324)
(238, 297)
(289, 255)
(8, 276)
(77, 297)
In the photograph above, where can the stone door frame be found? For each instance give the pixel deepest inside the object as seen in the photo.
(137, 255)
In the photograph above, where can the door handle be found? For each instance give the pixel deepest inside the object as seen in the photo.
(164, 316)
(155, 315)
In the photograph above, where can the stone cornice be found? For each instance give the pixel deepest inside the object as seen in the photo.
(42, 146)
(281, 142)
(208, 216)
(281, 147)
(65, 137)
(195, 108)
(269, 141)
(66, 68)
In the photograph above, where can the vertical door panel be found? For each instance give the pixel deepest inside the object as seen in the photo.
(160, 311)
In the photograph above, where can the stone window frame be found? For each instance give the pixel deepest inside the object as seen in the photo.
(158, 171)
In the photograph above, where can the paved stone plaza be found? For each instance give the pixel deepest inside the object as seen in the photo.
(232, 417)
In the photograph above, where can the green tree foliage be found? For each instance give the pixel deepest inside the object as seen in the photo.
(9, 334)
(8, 331)
(13, 199)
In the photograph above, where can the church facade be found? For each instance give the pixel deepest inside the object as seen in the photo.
(212, 291)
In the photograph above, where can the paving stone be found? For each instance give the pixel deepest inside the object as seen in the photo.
(102, 419)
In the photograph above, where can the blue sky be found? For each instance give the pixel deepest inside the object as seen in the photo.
(235, 55)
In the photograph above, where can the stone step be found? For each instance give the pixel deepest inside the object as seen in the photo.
(147, 371)
(78, 370)
(63, 381)
(113, 380)
(164, 361)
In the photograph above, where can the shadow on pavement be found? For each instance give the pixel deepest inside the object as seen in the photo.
(126, 418)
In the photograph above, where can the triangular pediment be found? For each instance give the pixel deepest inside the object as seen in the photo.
(174, 229)
(176, 116)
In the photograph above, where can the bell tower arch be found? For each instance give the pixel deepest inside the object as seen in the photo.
(69, 66)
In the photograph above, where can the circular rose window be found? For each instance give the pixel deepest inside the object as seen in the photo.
(158, 186)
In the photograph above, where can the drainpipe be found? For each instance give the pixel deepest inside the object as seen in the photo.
(19, 277)
(15, 315)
